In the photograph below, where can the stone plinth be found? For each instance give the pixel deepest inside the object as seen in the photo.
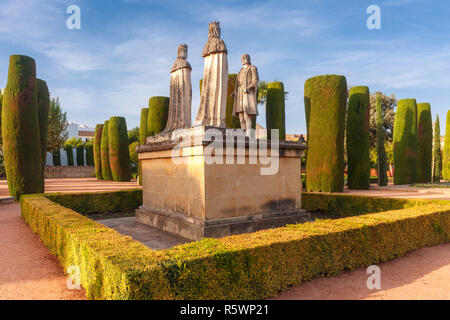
(184, 193)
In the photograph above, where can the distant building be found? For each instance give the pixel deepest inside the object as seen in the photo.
(80, 131)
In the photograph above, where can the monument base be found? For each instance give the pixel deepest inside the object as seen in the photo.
(197, 229)
(211, 186)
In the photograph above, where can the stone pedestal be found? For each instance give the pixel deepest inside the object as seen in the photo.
(184, 193)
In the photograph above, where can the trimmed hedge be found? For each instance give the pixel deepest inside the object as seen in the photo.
(97, 151)
(69, 152)
(158, 111)
(106, 170)
(80, 154)
(275, 109)
(425, 142)
(405, 142)
(382, 164)
(437, 155)
(20, 128)
(119, 153)
(143, 126)
(43, 96)
(103, 201)
(248, 266)
(358, 157)
(89, 147)
(325, 109)
(446, 153)
(56, 157)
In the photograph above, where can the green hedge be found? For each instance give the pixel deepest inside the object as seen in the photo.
(248, 266)
(56, 157)
(446, 151)
(92, 202)
(69, 152)
(119, 154)
(104, 152)
(405, 142)
(97, 151)
(275, 109)
(382, 165)
(158, 111)
(89, 147)
(437, 155)
(425, 142)
(80, 154)
(325, 109)
(358, 120)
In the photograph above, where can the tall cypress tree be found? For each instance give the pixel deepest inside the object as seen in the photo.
(158, 111)
(43, 110)
(142, 137)
(20, 128)
(381, 137)
(437, 161)
(106, 170)
(425, 142)
(446, 153)
(97, 151)
(275, 109)
(119, 154)
(358, 119)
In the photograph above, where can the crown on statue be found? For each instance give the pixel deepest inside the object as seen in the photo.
(214, 29)
(182, 50)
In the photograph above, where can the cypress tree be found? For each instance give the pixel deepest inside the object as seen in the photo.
(382, 165)
(231, 122)
(119, 153)
(80, 154)
(425, 142)
(275, 109)
(1, 102)
(325, 108)
(97, 151)
(158, 111)
(358, 120)
(437, 161)
(446, 154)
(89, 153)
(405, 142)
(43, 109)
(106, 170)
(20, 128)
(69, 152)
(56, 157)
(142, 137)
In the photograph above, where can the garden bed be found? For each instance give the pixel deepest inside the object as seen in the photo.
(248, 266)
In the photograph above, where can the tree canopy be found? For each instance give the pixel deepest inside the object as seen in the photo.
(57, 125)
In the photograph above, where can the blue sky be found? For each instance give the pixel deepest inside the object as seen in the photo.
(125, 48)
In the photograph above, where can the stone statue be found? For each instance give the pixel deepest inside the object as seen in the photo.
(245, 100)
(213, 101)
(180, 92)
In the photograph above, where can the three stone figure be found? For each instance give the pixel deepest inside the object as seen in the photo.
(213, 101)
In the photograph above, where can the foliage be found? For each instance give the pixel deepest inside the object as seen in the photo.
(69, 152)
(43, 101)
(143, 126)
(425, 142)
(262, 92)
(357, 142)
(133, 135)
(158, 111)
(73, 142)
(118, 149)
(57, 126)
(134, 161)
(446, 151)
(80, 154)
(104, 151)
(382, 161)
(248, 266)
(231, 122)
(405, 142)
(325, 109)
(437, 155)
(388, 105)
(20, 128)
(97, 151)
(56, 157)
(89, 147)
(275, 109)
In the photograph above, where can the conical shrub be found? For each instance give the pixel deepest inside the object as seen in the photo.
(425, 142)
(20, 128)
(325, 108)
(43, 109)
(142, 137)
(437, 156)
(97, 151)
(382, 165)
(89, 153)
(69, 153)
(80, 154)
(158, 111)
(446, 153)
(106, 170)
(119, 155)
(405, 142)
(358, 121)
(275, 109)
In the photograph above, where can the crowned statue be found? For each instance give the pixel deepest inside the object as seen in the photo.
(245, 94)
(213, 100)
(180, 92)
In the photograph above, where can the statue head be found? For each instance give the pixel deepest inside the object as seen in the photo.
(245, 59)
(182, 51)
(214, 29)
